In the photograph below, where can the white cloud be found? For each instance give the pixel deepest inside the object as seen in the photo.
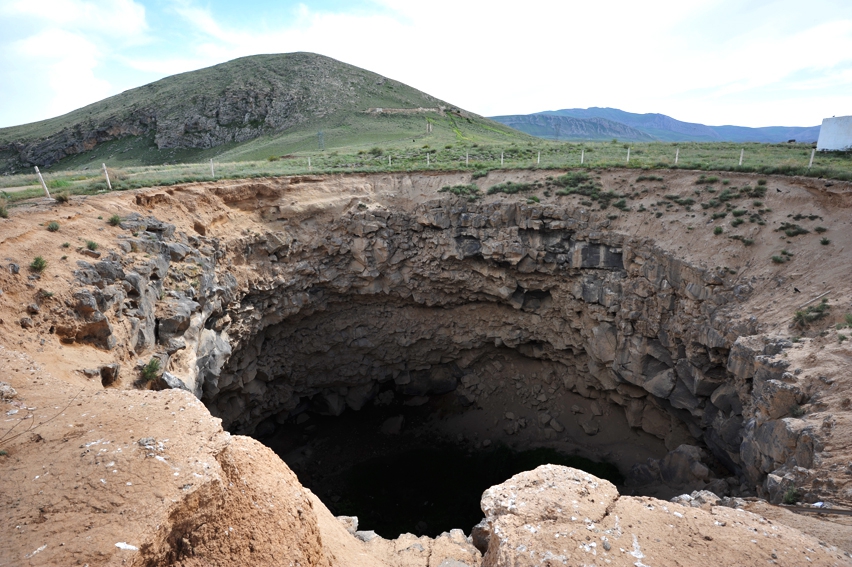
(705, 60)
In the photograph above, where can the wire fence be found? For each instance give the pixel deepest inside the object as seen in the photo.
(784, 159)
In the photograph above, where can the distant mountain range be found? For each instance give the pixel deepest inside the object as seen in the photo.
(608, 123)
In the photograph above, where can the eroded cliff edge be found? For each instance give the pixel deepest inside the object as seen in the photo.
(261, 297)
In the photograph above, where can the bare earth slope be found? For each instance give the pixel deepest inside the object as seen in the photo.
(120, 475)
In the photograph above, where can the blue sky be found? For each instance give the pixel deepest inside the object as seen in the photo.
(758, 63)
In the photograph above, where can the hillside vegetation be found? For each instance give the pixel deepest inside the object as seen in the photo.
(248, 108)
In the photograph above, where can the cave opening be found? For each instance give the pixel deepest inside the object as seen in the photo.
(403, 414)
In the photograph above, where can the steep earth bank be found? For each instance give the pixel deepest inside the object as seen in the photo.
(637, 336)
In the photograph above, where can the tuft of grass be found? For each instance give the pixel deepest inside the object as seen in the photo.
(791, 496)
(824, 241)
(718, 230)
(4, 211)
(761, 182)
(66, 244)
(38, 264)
(150, 370)
(510, 188)
(114, 220)
(53, 226)
(91, 245)
(791, 229)
(62, 197)
(470, 191)
(812, 313)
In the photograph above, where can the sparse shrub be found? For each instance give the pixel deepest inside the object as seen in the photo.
(510, 188)
(779, 259)
(38, 264)
(792, 230)
(841, 338)
(533, 199)
(820, 229)
(470, 191)
(761, 182)
(62, 197)
(4, 211)
(811, 313)
(737, 222)
(791, 496)
(53, 226)
(658, 215)
(721, 215)
(150, 370)
(718, 230)
(824, 241)
(66, 244)
(91, 245)
(758, 203)
(114, 220)
(376, 151)
(738, 212)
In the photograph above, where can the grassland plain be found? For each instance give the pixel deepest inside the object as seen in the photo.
(438, 150)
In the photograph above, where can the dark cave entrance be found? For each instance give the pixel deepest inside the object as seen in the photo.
(394, 467)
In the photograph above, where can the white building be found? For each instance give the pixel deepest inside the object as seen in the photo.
(835, 134)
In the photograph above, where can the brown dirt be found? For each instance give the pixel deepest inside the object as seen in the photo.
(75, 482)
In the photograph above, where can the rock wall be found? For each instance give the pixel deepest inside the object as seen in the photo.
(260, 323)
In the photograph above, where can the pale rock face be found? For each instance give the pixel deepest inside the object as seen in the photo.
(557, 515)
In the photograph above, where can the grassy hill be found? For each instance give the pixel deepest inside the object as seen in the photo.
(246, 109)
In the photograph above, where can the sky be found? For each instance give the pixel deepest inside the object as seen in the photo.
(748, 63)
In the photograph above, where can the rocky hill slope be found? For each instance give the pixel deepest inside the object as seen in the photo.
(262, 96)
(644, 336)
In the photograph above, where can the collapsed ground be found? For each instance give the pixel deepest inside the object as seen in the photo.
(646, 321)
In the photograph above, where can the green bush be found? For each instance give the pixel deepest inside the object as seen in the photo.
(810, 314)
(470, 191)
(150, 370)
(53, 226)
(38, 264)
(820, 229)
(62, 197)
(779, 259)
(824, 241)
(510, 188)
(91, 245)
(761, 182)
(791, 229)
(66, 244)
(114, 220)
(718, 230)
(791, 496)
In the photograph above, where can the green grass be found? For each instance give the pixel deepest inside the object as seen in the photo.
(38, 264)
(470, 191)
(114, 220)
(53, 226)
(150, 370)
(91, 245)
(811, 313)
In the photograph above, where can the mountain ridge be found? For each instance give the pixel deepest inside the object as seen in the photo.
(662, 127)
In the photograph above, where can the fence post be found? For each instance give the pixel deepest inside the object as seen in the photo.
(582, 155)
(427, 159)
(677, 154)
(43, 184)
(628, 155)
(212, 172)
(467, 158)
(106, 174)
(389, 160)
(742, 152)
(501, 159)
(538, 161)
(810, 163)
